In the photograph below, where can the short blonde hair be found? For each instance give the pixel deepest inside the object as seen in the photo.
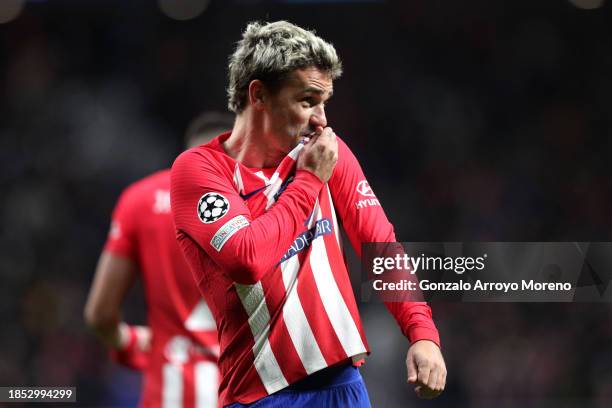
(269, 52)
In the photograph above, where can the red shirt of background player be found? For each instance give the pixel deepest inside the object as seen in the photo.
(181, 365)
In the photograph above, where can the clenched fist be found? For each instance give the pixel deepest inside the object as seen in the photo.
(320, 154)
(426, 369)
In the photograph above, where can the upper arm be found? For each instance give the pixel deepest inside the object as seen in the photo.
(203, 201)
(362, 216)
(116, 269)
(114, 276)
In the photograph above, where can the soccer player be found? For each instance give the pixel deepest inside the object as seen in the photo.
(178, 350)
(257, 212)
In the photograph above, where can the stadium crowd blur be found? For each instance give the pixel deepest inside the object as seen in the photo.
(474, 121)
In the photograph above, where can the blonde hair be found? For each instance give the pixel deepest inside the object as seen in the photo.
(271, 51)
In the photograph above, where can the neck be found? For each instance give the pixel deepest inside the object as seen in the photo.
(249, 144)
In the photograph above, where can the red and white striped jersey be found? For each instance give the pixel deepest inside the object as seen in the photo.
(181, 368)
(265, 247)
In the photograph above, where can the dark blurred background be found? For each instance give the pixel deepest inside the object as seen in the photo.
(475, 120)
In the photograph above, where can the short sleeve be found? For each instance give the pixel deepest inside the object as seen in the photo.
(122, 237)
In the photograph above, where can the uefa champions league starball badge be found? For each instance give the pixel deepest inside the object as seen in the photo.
(211, 207)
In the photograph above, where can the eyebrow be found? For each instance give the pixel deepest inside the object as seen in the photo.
(319, 91)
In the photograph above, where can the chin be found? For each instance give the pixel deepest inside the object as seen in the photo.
(293, 141)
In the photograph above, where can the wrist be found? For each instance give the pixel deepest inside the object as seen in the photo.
(423, 341)
(418, 333)
(125, 336)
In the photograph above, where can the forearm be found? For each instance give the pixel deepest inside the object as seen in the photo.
(365, 221)
(259, 247)
(246, 242)
(109, 332)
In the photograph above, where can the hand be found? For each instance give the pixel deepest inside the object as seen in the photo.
(138, 337)
(320, 154)
(426, 369)
(134, 348)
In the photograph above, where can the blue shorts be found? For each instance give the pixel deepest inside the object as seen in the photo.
(340, 386)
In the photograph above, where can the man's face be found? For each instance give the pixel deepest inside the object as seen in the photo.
(297, 109)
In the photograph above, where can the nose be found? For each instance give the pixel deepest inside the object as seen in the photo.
(318, 117)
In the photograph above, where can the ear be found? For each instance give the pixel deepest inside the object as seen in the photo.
(257, 94)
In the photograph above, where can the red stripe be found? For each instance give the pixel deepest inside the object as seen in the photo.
(188, 386)
(340, 271)
(246, 386)
(280, 340)
(330, 345)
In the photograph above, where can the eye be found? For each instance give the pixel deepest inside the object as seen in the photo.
(308, 102)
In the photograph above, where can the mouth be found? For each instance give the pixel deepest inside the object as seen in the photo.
(309, 135)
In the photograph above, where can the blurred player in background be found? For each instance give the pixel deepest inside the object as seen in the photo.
(257, 212)
(177, 351)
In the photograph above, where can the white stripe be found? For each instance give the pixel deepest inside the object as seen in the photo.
(272, 189)
(206, 383)
(333, 211)
(254, 302)
(238, 179)
(275, 182)
(335, 307)
(273, 178)
(290, 269)
(269, 370)
(172, 383)
(296, 151)
(262, 176)
(201, 318)
(297, 324)
(311, 221)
